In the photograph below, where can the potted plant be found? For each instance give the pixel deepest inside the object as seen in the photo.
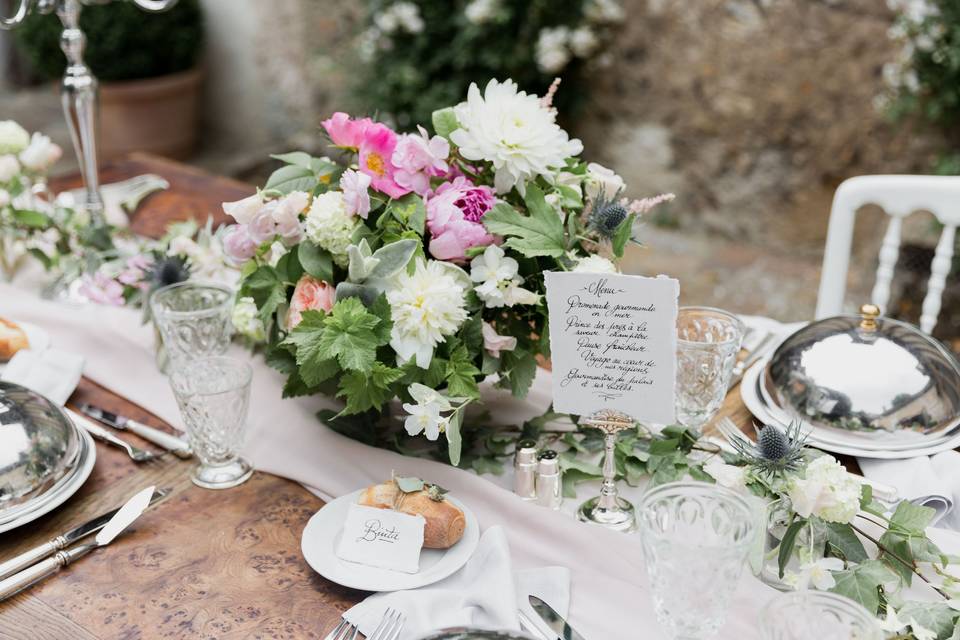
(147, 65)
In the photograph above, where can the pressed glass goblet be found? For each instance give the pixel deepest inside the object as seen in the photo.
(213, 394)
(817, 615)
(193, 319)
(696, 538)
(708, 341)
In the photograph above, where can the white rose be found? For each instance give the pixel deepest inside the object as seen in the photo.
(9, 167)
(13, 137)
(826, 491)
(602, 180)
(595, 264)
(727, 475)
(244, 210)
(40, 153)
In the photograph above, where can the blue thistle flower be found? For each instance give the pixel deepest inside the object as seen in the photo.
(606, 215)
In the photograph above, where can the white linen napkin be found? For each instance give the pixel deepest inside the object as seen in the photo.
(931, 481)
(52, 373)
(487, 593)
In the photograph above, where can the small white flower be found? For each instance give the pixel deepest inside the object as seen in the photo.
(425, 395)
(494, 343)
(13, 137)
(480, 11)
(595, 264)
(245, 320)
(891, 622)
(277, 251)
(425, 307)
(552, 54)
(602, 181)
(583, 42)
(827, 491)
(9, 167)
(330, 225)
(182, 246)
(514, 132)
(400, 15)
(243, 211)
(423, 418)
(40, 153)
(816, 573)
(727, 475)
(499, 283)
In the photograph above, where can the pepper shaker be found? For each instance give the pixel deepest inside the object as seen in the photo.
(549, 480)
(525, 470)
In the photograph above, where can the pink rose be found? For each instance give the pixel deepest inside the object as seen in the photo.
(376, 150)
(454, 214)
(238, 245)
(417, 158)
(345, 131)
(310, 294)
(355, 187)
(263, 227)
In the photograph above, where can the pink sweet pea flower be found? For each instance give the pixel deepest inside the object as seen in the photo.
(244, 210)
(135, 271)
(102, 289)
(238, 245)
(494, 342)
(310, 294)
(263, 227)
(355, 187)
(345, 131)
(454, 213)
(376, 150)
(417, 157)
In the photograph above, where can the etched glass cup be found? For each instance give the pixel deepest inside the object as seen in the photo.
(708, 341)
(213, 395)
(193, 319)
(817, 615)
(696, 538)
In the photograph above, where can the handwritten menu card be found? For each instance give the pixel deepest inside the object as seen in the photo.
(382, 538)
(613, 344)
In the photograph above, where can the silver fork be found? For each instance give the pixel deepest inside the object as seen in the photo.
(390, 626)
(136, 453)
(342, 632)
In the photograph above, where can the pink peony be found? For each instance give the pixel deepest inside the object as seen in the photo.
(345, 131)
(102, 289)
(376, 150)
(454, 213)
(310, 294)
(355, 187)
(238, 245)
(417, 158)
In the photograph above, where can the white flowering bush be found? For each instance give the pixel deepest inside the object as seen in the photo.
(419, 265)
(423, 54)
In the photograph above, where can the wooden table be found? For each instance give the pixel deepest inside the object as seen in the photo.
(200, 564)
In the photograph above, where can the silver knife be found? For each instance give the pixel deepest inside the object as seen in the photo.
(177, 446)
(64, 540)
(45, 568)
(553, 620)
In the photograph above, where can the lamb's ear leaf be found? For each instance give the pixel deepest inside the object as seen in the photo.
(392, 258)
(365, 293)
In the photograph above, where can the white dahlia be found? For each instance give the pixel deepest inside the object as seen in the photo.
(595, 264)
(426, 307)
(514, 131)
(330, 225)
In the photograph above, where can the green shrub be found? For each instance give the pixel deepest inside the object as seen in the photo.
(123, 41)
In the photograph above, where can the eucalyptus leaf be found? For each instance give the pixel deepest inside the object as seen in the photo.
(408, 484)
(454, 439)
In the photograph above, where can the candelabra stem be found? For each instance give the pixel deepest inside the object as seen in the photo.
(78, 95)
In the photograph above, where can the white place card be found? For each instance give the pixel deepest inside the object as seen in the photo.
(613, 344)
(382, 538)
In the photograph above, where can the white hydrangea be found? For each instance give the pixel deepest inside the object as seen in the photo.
(481, 11)
(583, 42)
(425, 307)
(514, 131)
(552, 53)
(826, 491)
(13, 137)
(330, 225)
(595, 264)
(245, 320)
(496, 280)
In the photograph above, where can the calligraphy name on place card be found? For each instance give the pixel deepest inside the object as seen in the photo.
(382, 538)
(613, 344)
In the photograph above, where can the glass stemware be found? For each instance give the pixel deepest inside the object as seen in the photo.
(817, 615)
(696, 538)
(708, 341)
(193, 319)
(213, 395)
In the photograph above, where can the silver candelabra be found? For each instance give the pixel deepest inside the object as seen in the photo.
(78, 90)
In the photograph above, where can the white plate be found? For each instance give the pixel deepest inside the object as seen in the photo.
(38, 338)
(322, 533)
(88, 456)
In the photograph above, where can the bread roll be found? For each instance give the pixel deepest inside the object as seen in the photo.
(12, 339)
(445, 522)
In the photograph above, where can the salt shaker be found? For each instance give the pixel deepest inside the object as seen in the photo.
(525, 470)
(549, 480)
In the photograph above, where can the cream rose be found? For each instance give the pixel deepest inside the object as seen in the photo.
(602, 180)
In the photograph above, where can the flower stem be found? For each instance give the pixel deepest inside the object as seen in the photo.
(909, 565)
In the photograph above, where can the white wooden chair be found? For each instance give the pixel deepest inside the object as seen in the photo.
(898, 196)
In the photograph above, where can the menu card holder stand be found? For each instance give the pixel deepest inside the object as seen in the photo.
(609, 509)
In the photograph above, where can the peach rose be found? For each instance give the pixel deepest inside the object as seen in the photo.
(310, 294)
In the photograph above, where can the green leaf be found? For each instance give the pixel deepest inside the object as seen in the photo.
(911, 518)
(935, 616)
(519, 368)
(861, 583)
(30, 218)
(445, 121)
(291, 178)
(316, 261)
(472, 333)
(297, 158)
(267, 290)
(538, 234)
(487, 464)
(410, 211)
(787, 544)
(365, 391)
(622, 235)
(454, 439)
(381, 308)
(843, 538)
(363, 292)
(571, 479)
(408, 484)
(461, 374)
(314, 365)
(348, 336)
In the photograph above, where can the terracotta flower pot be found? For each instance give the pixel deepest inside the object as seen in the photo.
(159, 115)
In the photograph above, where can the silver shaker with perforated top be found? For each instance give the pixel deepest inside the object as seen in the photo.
(525, 470)
(549, 480)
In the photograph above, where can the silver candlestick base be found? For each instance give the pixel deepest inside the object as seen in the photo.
(609, 509)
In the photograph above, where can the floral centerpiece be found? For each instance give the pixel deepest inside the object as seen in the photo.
(415, 269)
